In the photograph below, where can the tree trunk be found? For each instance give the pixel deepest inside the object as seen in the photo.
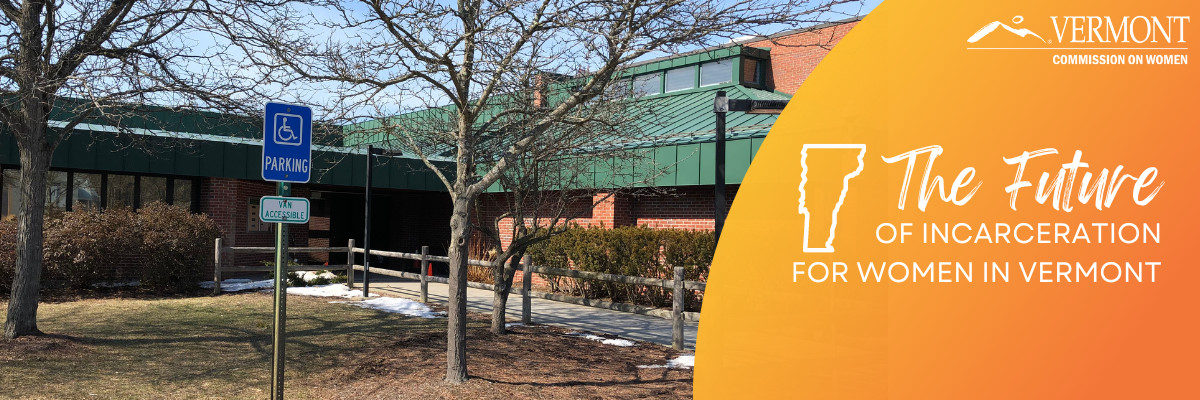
(456, 329)
(503, 278)
(22, 306)
(499, 298)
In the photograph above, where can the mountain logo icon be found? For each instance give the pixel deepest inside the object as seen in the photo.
(987, 29)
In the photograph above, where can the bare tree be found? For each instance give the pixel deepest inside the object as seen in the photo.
(72, 62)
(465, 63)
(566, 172)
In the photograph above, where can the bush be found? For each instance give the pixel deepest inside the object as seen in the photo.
(8, 251)
(175, 243)
(168, 246)
(632, 251)
(81, 247)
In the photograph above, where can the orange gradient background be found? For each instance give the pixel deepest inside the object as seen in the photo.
(904, 79)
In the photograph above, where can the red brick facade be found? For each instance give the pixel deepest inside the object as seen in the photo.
(227, 200)
(794, 56)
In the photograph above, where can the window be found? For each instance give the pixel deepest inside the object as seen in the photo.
(646, 85)
(716, 72)
(681, 79)
(120, 191)
(752, 71)
(56, 191)
(153, 189)
(87, 191)
(12, 192)
(182, 194)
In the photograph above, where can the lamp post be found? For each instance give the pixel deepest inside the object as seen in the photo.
(722, 105)
(371, 152)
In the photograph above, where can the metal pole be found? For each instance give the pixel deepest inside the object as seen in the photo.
(280, 334)
(367, 234)
(720, 107)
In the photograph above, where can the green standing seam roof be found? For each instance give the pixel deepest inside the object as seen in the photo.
(678, 137)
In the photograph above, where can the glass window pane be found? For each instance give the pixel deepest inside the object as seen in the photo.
(56, 191)
(681, 79)
(750, 71)
(120, 191)
(183, 193)
(12, 192)
(716, 72)
(153, 189)
(87, 191)
(647, 85)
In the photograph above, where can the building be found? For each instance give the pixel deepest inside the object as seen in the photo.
(214, 169)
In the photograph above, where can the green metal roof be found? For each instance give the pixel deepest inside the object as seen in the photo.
(679, 133)
(97, 147)
(689, 116)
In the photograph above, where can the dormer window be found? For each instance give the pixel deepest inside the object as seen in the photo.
(648, 84)
(716, 72)
(681, 79)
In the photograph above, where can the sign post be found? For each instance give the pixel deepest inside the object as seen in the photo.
(287, 159)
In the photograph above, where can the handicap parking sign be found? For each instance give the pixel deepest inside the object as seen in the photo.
(288, 128)
(287, 143)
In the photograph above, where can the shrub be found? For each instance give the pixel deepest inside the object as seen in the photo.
(632, 251)
(175, 243)
(82, 246)
(8, 251)
(168, 245)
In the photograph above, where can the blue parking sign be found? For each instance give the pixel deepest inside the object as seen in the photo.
(287, 143)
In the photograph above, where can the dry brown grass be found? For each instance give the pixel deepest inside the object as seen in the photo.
(219, 348)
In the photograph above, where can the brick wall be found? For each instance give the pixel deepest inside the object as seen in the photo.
(793, 57)
(227, 200)
(686, 207)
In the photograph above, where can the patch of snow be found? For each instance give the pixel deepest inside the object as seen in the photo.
(396, 305)
(613, 342)
(308, 276)
(513, 324)
(237, 285)
(684, 362)
(746, 38)
(331, 290)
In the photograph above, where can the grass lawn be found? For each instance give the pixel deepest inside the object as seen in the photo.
(220, 348)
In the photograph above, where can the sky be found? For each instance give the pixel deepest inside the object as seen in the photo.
(323, 93)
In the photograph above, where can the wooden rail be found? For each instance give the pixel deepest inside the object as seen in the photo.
(677, 315)
(219, 250)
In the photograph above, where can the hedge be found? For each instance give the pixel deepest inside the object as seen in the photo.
(166, 245)
(632, 251)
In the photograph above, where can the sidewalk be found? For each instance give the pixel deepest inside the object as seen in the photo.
(591, 319)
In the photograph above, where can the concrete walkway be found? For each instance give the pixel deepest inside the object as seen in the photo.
(547, 312)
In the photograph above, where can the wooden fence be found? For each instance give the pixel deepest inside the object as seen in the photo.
(677, 314)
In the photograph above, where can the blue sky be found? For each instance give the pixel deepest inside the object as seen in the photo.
(323, 92)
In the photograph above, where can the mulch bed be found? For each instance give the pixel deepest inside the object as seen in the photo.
(529, 362)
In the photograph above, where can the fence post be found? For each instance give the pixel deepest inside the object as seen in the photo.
(526, 285)
(677, 311)
(217, 268)
(424, 273)
(350, 263)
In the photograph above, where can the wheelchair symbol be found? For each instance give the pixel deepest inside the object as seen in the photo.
(285, 134)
